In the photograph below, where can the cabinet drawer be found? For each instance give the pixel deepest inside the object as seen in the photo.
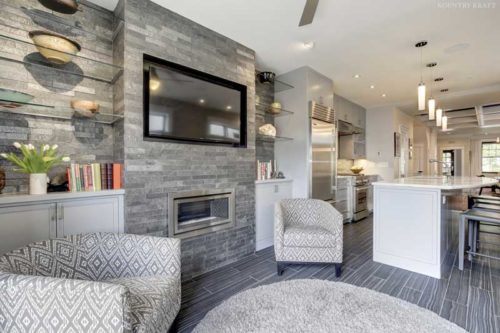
(342, 182)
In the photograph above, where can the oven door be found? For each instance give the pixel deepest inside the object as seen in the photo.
(360, 198)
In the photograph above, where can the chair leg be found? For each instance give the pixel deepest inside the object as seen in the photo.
(281, 268)
(338, 270)
(461, 242)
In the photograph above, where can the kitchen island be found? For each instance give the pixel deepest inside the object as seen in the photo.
(414, 227)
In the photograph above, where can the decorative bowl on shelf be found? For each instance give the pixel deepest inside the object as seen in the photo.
(357, 169)
(275, 108)
(13, 98)
(61, 6)
(55, 48)
(267, 130)
(85, 108)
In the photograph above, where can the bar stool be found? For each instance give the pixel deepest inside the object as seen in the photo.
(473, 217)
(483, 202)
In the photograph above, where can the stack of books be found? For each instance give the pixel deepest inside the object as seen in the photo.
(266, 170)
(94, 177)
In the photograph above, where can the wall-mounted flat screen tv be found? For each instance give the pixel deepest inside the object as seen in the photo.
(187, 105)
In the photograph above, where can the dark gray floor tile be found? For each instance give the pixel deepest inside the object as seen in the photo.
(410, 295)
(480, 275)
(458, 286)
(433, 295)
(417, 281)
(395, 282)
(480, 314)
(454, 312)
(384, 271)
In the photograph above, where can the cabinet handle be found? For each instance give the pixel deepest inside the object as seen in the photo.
(60, 212)
(52, 213)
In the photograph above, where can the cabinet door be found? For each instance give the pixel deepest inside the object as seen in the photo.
(21, 225)
(88, 215)
(266, 196)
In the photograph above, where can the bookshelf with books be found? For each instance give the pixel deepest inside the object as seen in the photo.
(266, 169)
(94, 177)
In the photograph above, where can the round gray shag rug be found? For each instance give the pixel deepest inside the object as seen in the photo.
(320, 306)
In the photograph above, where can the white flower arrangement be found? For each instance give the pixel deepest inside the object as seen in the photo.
(35, 160)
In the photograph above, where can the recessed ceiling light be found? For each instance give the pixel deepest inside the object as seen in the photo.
(384, 95)
(439, 79)
(444, 90)
(356, 76)
(432, 64)
(457, 48)
(202, 101)
(308, 45)
(229, 107)
(372, 87)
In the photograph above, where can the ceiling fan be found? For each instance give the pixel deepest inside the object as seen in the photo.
(308, 13)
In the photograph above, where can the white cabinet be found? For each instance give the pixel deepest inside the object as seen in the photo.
(85, 215)
(20, 225)
(27, 218)
(267, 193)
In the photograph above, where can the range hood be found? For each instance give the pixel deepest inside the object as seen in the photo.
(345, 128)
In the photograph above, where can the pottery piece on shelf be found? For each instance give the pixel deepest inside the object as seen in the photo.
(275, 108)
(55, 48)
(13, 99)
(85, 108)
(61, 6)
(267, 130)
(266, 77)
(356, 169)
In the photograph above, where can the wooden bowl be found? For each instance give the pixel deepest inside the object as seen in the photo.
(85, 108)
(55, 48)
(61, 6)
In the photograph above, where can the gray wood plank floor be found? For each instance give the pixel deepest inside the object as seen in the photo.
(470, 298)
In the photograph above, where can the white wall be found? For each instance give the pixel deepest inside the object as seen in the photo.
(381, 123)
(293, 156)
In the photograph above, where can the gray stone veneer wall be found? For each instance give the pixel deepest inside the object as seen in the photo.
(84, 141)
(153, 169)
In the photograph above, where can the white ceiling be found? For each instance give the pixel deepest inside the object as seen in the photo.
(374, 39)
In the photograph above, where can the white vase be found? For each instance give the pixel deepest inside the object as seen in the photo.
(38, 183)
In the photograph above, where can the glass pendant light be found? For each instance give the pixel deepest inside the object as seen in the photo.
(444, 123)
(421, 85)
(431, 103)
(439, 117)
(421, 96)
(432, 109)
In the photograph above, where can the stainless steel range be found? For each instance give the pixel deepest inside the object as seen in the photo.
(359, 196)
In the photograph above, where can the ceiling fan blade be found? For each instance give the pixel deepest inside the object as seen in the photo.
(308, 13)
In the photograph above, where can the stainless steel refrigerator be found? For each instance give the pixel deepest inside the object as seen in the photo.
(323, 152)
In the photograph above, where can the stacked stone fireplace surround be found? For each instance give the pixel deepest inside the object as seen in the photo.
(153, 168)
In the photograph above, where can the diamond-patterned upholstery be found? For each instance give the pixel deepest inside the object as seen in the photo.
(307, 230)
(100, 282)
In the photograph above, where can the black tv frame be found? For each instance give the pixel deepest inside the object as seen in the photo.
(147, 59)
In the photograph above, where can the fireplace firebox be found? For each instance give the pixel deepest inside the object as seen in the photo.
(199, 212)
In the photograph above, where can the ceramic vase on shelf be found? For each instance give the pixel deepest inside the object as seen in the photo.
(38, 183)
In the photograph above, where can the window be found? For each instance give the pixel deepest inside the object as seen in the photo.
(490, 157)
(447, 159)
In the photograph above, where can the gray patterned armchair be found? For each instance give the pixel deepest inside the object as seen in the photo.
(307, 231)
(98, 282)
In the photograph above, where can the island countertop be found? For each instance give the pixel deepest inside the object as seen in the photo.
(439, 182)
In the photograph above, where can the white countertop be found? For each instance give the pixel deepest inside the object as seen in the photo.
(17, 198)
(439, 182)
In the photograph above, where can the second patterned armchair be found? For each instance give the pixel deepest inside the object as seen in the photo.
(99, 282)
(307, 231)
